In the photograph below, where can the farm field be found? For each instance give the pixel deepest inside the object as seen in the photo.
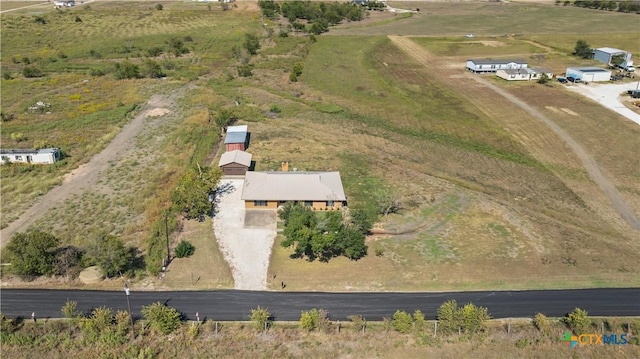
(492, 198)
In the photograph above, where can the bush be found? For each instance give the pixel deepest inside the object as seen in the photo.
(314, 319)
(261, 318)
(127, 70)
(154, 51)
(541, 322)
(162, 318)
(402, 321)
(110, 255)
(578, 321)
(251, 43)
(31, 71)
(151, 69)
(159, 7)
(70, 309)
(523, 343)
(245, 70)
(32, 253)
(184, 249)
(359, 322)
(419, 321)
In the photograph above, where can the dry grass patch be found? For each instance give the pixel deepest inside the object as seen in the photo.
(205, 269)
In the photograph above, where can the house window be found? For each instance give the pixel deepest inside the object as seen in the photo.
(5, 158)
(259, 203)
(513, 76)
(18, 158)
(331, 203)
(308, 203)
(493, 66)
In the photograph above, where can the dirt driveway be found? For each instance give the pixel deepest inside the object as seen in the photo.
(608, 95)
(245, 237)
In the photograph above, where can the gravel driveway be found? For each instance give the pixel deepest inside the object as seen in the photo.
(245, 237)
(608, 96)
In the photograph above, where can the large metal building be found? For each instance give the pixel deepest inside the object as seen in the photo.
(589, 74)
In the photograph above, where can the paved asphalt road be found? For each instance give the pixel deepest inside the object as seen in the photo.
(236, 305)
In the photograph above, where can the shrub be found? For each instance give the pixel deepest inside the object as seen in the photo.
(359, 322)
(418, 319)
(578, 321)
(31, 71)
(474, 318)
(379, 252)
(159, 7)
(32, 253)
(154, 51)
(541, 322)
(251, 43)
(127, 70)
(70, 309)
(151, 69)
(261, 318)
(245, 70)
(448, 317)
(314, 319)
(184, 249)
(162, 318)
(110, 255)
(523, 343)
(402, 321)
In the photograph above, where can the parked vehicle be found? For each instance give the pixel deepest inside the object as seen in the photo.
(571, 79)
(562, 80)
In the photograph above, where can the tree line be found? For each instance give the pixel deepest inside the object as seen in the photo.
(610, 5)
(312, 17)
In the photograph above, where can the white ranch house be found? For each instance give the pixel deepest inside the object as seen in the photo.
(526, 74)
(493, 65)
(41, 156)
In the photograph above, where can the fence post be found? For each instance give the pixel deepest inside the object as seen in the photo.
(435, 328)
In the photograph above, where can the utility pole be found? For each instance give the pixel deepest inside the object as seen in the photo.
(166, 231)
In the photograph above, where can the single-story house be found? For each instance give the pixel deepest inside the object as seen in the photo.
(526, 74)
(493, 65)
(318, 190)
(41, 156)
(235, 163)
(589, 74)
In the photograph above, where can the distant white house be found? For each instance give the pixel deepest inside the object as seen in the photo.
(493, 65)
(62, 3)
(526, 74)
(41, 156)
(589, 74)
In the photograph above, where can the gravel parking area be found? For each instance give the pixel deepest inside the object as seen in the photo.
(608, 95)
(245, 237)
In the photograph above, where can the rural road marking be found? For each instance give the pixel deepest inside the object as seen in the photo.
(595, 173)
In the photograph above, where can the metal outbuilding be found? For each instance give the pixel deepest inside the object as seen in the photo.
(589, 74)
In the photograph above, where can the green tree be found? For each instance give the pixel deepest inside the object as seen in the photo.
(159, 7)
(449, 317)
(418, 319)
(309, 320)
(222, 118)
(191, 196)
(184, 249)
(578, 321)
(261, 318)
(583, 49)
(162, 318)
(110, 255)
(474, 318)
(251, 43)
(32, 253)
(402, 321)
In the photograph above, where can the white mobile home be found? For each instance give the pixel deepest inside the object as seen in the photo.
(493, 65)
(589, 74)
(41, 156)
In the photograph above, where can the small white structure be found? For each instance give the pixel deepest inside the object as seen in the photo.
(606, 55)
(41, 156)
(243, 128)
(589, 74)
(493, 65)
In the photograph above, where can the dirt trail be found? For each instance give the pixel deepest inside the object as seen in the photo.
(87, 175)
(595, 173)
